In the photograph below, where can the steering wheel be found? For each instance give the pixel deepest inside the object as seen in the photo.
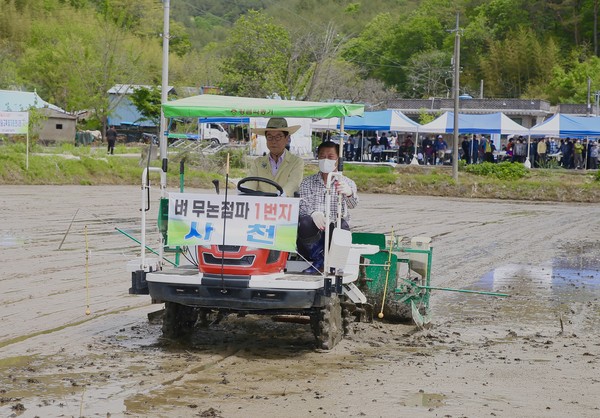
(251, 192)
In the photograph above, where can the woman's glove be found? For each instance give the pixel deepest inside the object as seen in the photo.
(319, 219)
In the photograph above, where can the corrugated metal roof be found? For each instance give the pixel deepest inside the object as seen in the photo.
(18, 101)
(53, 113)
(129, 88)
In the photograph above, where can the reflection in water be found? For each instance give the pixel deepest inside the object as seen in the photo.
(541, 294)
(564, 280)
(9, 240)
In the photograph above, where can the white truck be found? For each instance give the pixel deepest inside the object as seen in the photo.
(214, 132)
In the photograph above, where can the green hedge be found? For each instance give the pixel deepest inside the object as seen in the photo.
(502, 171)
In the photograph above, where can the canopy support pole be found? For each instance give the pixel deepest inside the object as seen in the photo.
(415, 160)
(527, 163)
(362, 145)
(341, 156)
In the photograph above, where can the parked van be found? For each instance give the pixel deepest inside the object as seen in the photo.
(213, 132)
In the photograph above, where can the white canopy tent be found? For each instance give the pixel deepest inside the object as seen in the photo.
(384, 120)
(567, 125)
(492, 123)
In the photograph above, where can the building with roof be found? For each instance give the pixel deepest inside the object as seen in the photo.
(525, 112)
(20, 101)
(123, 111)
(56, 126)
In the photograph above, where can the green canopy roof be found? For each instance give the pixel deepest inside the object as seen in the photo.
(226, 106)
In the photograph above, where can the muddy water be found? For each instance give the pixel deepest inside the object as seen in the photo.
(483, 356)
(135, 372)
(545, 295)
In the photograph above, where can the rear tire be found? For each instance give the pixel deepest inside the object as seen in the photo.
(350, 314)
(208, 317)
(178, 320)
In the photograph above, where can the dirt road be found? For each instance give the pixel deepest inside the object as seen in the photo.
(535, 354)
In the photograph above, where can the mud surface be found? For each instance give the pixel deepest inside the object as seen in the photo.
(535, 354)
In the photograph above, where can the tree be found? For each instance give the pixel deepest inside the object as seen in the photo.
(322, 48)
(197, 68)
(520, 61)
(420, 33)
(148, 102)
(384, 48)
(429, 74)
(370, 49)
(344, 81)
(499, 19)
(596, 6)
(142, 18)
(569, 84)
(74, 67)
(9, 78)
(256, 58)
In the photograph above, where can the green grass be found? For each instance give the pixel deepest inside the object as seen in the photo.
(502, 171)
(85, 165)
(374, 178)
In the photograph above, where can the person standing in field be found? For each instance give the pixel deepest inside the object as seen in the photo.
(578, 154)
(542, 148)
(594, 156)
(111, 138)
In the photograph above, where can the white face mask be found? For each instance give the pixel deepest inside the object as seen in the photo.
(326, 165)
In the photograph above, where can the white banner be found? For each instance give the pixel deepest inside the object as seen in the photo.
(14, 123)
(253, 221)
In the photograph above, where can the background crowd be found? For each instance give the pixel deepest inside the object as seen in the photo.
(569, 153)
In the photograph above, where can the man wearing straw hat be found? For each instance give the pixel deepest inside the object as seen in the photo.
(280, 165)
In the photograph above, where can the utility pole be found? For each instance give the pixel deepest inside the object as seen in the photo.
(589, 92)
(164, 87)
(456, 84)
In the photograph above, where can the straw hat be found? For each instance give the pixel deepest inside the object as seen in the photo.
(277, 124)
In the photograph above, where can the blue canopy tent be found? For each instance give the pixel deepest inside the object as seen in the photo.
(566, 125)
(492, 123)
(383, 120)
(224, 120)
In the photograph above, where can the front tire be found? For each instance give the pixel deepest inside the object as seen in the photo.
(178, 320)
(327, 324)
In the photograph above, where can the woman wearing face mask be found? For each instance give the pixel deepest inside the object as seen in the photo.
(311, 226)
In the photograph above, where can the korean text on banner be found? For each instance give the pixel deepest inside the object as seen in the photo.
(14, 123)
(262, 222)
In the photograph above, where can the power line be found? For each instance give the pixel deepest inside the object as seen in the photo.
(376, 65)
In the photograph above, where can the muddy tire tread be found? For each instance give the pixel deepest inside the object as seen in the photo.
(178, 320)
(328, 325)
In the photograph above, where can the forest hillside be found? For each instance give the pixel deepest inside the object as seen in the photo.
(72, 51)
